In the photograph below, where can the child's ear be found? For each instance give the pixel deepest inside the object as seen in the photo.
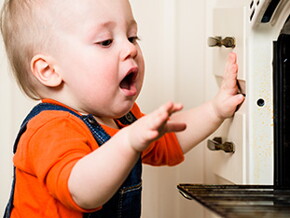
(44, 70)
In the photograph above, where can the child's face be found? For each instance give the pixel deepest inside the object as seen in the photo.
(98, 56)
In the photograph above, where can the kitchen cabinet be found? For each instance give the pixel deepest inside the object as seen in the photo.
(251, 128)
(229, 22)
(255, 25)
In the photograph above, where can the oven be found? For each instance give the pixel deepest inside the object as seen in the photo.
(248, 157)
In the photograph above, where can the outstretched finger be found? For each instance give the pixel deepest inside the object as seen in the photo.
(175, 127)
(162, 115)
(171, 107)
(231, 72)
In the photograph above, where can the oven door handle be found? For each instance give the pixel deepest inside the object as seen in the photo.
(216, 145)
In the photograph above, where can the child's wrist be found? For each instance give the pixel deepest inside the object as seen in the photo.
(215, 112)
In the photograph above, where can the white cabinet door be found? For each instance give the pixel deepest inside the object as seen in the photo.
(230, 167)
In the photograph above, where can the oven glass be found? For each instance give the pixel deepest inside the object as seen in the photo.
(281, 96)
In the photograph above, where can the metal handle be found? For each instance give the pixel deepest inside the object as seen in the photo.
(216, 145)
(185, 195)
(228, 42)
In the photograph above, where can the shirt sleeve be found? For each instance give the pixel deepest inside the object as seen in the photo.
(165, 151)
(54, 149)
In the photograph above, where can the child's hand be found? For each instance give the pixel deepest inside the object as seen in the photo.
(153, 126)
(228, 98)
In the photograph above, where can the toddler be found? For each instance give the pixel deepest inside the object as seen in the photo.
(79, 152)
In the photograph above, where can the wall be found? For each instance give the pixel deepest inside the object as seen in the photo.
(173, 40)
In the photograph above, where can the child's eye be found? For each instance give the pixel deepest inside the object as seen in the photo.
(133, 39)
(105, 43)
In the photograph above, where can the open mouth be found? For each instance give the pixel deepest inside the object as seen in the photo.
(128, 84)
(128, 81)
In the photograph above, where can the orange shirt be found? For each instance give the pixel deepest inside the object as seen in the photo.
(53, 142)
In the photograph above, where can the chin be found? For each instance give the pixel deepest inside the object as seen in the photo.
(124, 109)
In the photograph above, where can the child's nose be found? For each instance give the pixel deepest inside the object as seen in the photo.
(129, 50)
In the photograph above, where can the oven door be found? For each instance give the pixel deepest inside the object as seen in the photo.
(240, 201)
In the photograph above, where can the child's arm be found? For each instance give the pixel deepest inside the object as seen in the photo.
(97, 176)
(205, 119)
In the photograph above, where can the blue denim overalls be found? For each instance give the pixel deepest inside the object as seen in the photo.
(126, 203)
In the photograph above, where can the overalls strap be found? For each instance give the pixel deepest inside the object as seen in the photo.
(127, 201)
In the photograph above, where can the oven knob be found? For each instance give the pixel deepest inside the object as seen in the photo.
(216, 145)
(228, 42)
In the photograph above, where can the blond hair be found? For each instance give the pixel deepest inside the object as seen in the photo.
(24, 31)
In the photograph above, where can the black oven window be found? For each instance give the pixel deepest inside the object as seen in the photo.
(281, 95)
